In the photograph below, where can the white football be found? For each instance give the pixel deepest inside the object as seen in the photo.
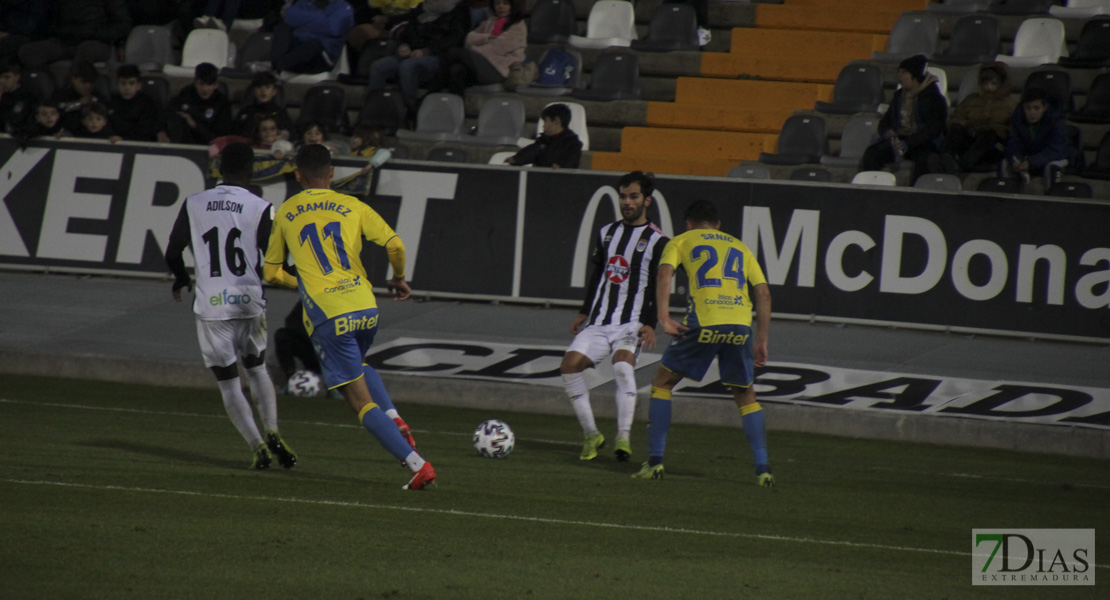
(494, 439)
(305, 384)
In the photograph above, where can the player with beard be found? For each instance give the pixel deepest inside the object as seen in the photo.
(618, 315)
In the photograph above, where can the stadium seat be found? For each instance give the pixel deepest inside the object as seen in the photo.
(1020, 7)
(202, 46)
(611, 23)
(255, 49)
(939, 181)
(1056, 83)
(149, 47)
(1097, 108)
(1000, 185)
(912, 34)
(401, 152)
(1101, 167)
(673, 27)
(975, 39)
(440, 117)
(157, 88)
(448, 154)
(1093, 48)
(815, 174)
(577, 125)
(498, 158)
(541, 88)
(957, 7)
(384, 109)
(884, 178)
(500, 122)
(1080, 9)
(551, 22)
(857, 136)
(803, 139)
(859, 88)
(327, 103)
(341, 67)
(616, 76)
(39, 83)
(750, 171)
(1070, 189)
(1038, 41)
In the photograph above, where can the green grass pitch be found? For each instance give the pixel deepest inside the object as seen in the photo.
(126, 491)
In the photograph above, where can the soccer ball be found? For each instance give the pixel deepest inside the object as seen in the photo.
(494, 439)
(305, 384)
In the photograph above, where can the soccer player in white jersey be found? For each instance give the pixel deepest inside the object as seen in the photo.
(618, 315)
(227, 228)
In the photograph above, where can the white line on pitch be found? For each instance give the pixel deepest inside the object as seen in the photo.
(987, 477)
(464, 513)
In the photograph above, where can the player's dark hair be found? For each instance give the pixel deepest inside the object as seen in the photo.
(646, 181)
(236, 160)
(313, 161)
(701, 211)
(557, 111)
(206, 73)
(128, 72)
(1033, 94)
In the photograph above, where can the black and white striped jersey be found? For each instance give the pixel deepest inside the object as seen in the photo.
(621, 288)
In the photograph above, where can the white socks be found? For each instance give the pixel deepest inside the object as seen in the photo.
(579, 395)
(625, 376)
(262, 390)
(235, 403)
(414, 462)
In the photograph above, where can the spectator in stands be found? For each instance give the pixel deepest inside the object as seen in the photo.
(314, 132)
(557, 147)
(488, 50)
(311, 35)
(373, 20)
(424, 35)
(16, 102)
(94, 124)
(132, 114)
(81, 30)
(264, 90)
(200, 112)
(80, 93)
(977, 128)
(48, 122)
(218, 14)
(366, 141)
(264, 135)
(20, 22)
(913, 125)
(1038, 140)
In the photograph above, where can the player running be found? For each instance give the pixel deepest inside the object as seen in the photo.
(721, 271)
(227, 227)
(618, 313)
(323, 231)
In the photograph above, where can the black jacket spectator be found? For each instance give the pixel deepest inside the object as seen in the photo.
(563, 150)
(136, 119)
(212, 116)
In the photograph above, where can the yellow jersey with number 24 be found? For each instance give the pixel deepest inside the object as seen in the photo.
(720, 269)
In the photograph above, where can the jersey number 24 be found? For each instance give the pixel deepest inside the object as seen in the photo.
(732, 269)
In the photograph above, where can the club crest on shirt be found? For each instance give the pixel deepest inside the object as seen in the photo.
(640, 247)
(617, 269)
(209, 113)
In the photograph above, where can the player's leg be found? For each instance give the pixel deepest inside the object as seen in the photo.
(377, 391)
(265, 400)
(575, 362)
(659, 417)
(217, 345)
(737, 372)
(624, 376)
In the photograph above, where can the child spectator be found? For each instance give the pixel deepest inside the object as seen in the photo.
(16, 103)
(488, 50)
(132, 114)
(78, 94)
(977, 129)
(47, 122)
(1038, 140)
(557, 147)
(913, 125)
(314, 132)
(94, 124)
(311, 35)
(365, 141)
(200, 112)
(264, 90)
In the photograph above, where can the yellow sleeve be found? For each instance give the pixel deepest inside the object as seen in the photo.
(395, 249)
(273, 270)
(670, 254)
(752, 271)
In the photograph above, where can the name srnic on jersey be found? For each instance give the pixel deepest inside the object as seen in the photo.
(717, 236)
(314, 206)
(214, 205)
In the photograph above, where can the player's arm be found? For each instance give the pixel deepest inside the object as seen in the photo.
(595, 269)
(663, 301)
(648, 315)
(762, 299)
(273, 270)
(395, 250)
(175, 249)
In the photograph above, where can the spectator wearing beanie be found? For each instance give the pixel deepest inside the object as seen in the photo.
(913, 125)
(977, 129)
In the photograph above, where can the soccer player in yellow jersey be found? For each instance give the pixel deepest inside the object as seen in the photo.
(724, 278)
(323, 231)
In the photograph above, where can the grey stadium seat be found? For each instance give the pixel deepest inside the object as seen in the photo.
(1000, 185)
(913, 33)
(1093, 48)
(975, 39)
(939, 181)
(552, 21)
(440, 117)
(448, 154)
(1020, 7)
(384, 109)
(857, 136)
(500, 122)
(859, 88)
(803, 139)
(673, 27)
(816, 174)
(616, 76)
(957, 7)
(149, 47)
(327, 103)
(750, 171)
(255, 49)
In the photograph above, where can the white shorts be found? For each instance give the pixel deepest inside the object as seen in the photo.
(223, 342)
(597, 342)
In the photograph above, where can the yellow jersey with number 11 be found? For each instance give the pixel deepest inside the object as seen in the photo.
(720, 269)
(323, 231)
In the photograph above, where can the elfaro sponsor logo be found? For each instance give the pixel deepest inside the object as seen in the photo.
(224, 298)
